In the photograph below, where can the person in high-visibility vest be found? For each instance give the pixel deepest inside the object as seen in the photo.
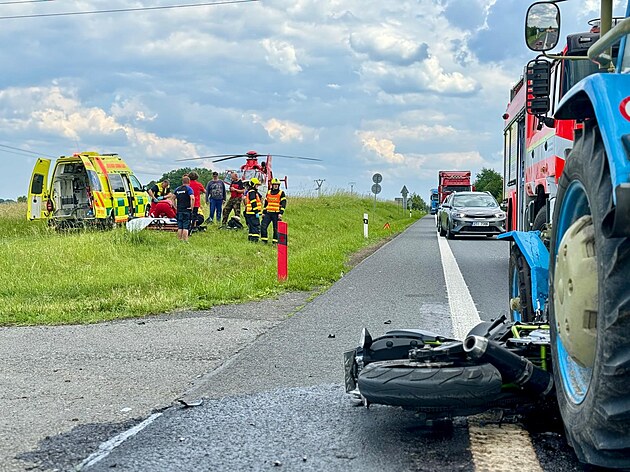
(253, 207)
(275, 204)
(158, 192)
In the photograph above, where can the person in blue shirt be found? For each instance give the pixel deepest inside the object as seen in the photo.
(185, 203)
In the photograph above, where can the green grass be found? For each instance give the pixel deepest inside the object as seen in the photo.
(86, 276)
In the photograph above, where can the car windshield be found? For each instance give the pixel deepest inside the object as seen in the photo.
(485, 201)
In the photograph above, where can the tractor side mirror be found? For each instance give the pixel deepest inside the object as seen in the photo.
(542, 26)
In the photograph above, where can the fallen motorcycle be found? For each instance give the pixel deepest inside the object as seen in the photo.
(499, 364)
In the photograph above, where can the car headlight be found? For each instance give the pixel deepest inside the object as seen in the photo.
(460, 214)
(499, 214)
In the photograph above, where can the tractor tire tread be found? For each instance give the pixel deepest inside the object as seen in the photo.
(599, 427)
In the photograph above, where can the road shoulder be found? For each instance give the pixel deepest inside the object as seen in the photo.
(63, 378)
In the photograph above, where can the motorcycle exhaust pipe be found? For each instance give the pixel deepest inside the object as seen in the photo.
(513, 368)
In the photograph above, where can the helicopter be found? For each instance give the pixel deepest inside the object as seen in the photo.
(252, 167)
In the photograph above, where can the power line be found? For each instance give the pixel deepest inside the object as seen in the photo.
(25, 1)
(38, 154)
(119, 10)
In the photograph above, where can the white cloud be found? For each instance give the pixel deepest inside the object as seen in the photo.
(429, 75)
(60, 113)
(281, 56)
(283, 130)
(157, 86)
(384, 148)
(132, 109)
(446, 82)
(381, 44)
(395, 129)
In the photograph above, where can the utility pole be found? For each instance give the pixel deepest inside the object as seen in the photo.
(319, 183)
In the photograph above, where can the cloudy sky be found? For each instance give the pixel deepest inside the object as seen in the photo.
(404, 87)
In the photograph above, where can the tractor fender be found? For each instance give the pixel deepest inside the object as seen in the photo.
(605, 98)
(537, 258)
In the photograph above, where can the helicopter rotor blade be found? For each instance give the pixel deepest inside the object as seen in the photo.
(229, 157)
(209, 157)
(296, 157)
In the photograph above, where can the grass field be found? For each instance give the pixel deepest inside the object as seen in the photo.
(86, 276)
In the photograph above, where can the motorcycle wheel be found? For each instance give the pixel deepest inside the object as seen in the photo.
(589, 307)
(459, 390)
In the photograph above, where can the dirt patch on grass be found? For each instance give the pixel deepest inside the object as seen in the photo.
(362, 253)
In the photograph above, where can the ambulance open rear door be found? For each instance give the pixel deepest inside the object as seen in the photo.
(38, 197)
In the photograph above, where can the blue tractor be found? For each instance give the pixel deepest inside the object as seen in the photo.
(575, 273)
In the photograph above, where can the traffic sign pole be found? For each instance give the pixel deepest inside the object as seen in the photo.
(376, 188)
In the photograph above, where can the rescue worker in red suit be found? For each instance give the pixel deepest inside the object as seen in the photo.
(163, 208)
(275, 204)
(253, 207)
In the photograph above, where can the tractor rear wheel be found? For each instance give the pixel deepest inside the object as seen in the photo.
(589, 307)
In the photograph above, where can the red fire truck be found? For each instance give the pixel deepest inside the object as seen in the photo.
(453, 181)
(535, 147)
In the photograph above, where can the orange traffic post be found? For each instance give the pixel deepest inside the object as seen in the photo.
(283, 268)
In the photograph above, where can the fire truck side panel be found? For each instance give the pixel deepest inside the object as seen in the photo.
(513, 154)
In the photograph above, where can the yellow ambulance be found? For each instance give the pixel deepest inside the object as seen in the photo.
(85, 188)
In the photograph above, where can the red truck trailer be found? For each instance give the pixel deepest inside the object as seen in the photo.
(453, 181)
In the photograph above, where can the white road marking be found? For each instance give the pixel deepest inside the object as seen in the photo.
(464, 314)
(108, 446)
(491, 445)
(505, 447)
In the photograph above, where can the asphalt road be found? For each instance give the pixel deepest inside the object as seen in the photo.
(279, 403)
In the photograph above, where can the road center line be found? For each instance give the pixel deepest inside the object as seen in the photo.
(464, 314)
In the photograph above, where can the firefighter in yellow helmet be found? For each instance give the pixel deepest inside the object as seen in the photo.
(253, 208)
(275, 204)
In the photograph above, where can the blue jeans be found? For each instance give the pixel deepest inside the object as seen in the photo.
(215, 207)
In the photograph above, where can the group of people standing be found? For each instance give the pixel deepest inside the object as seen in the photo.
(184, 204)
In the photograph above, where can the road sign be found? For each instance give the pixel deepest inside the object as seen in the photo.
(404, 192)
(376, 188)
(377, 179)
